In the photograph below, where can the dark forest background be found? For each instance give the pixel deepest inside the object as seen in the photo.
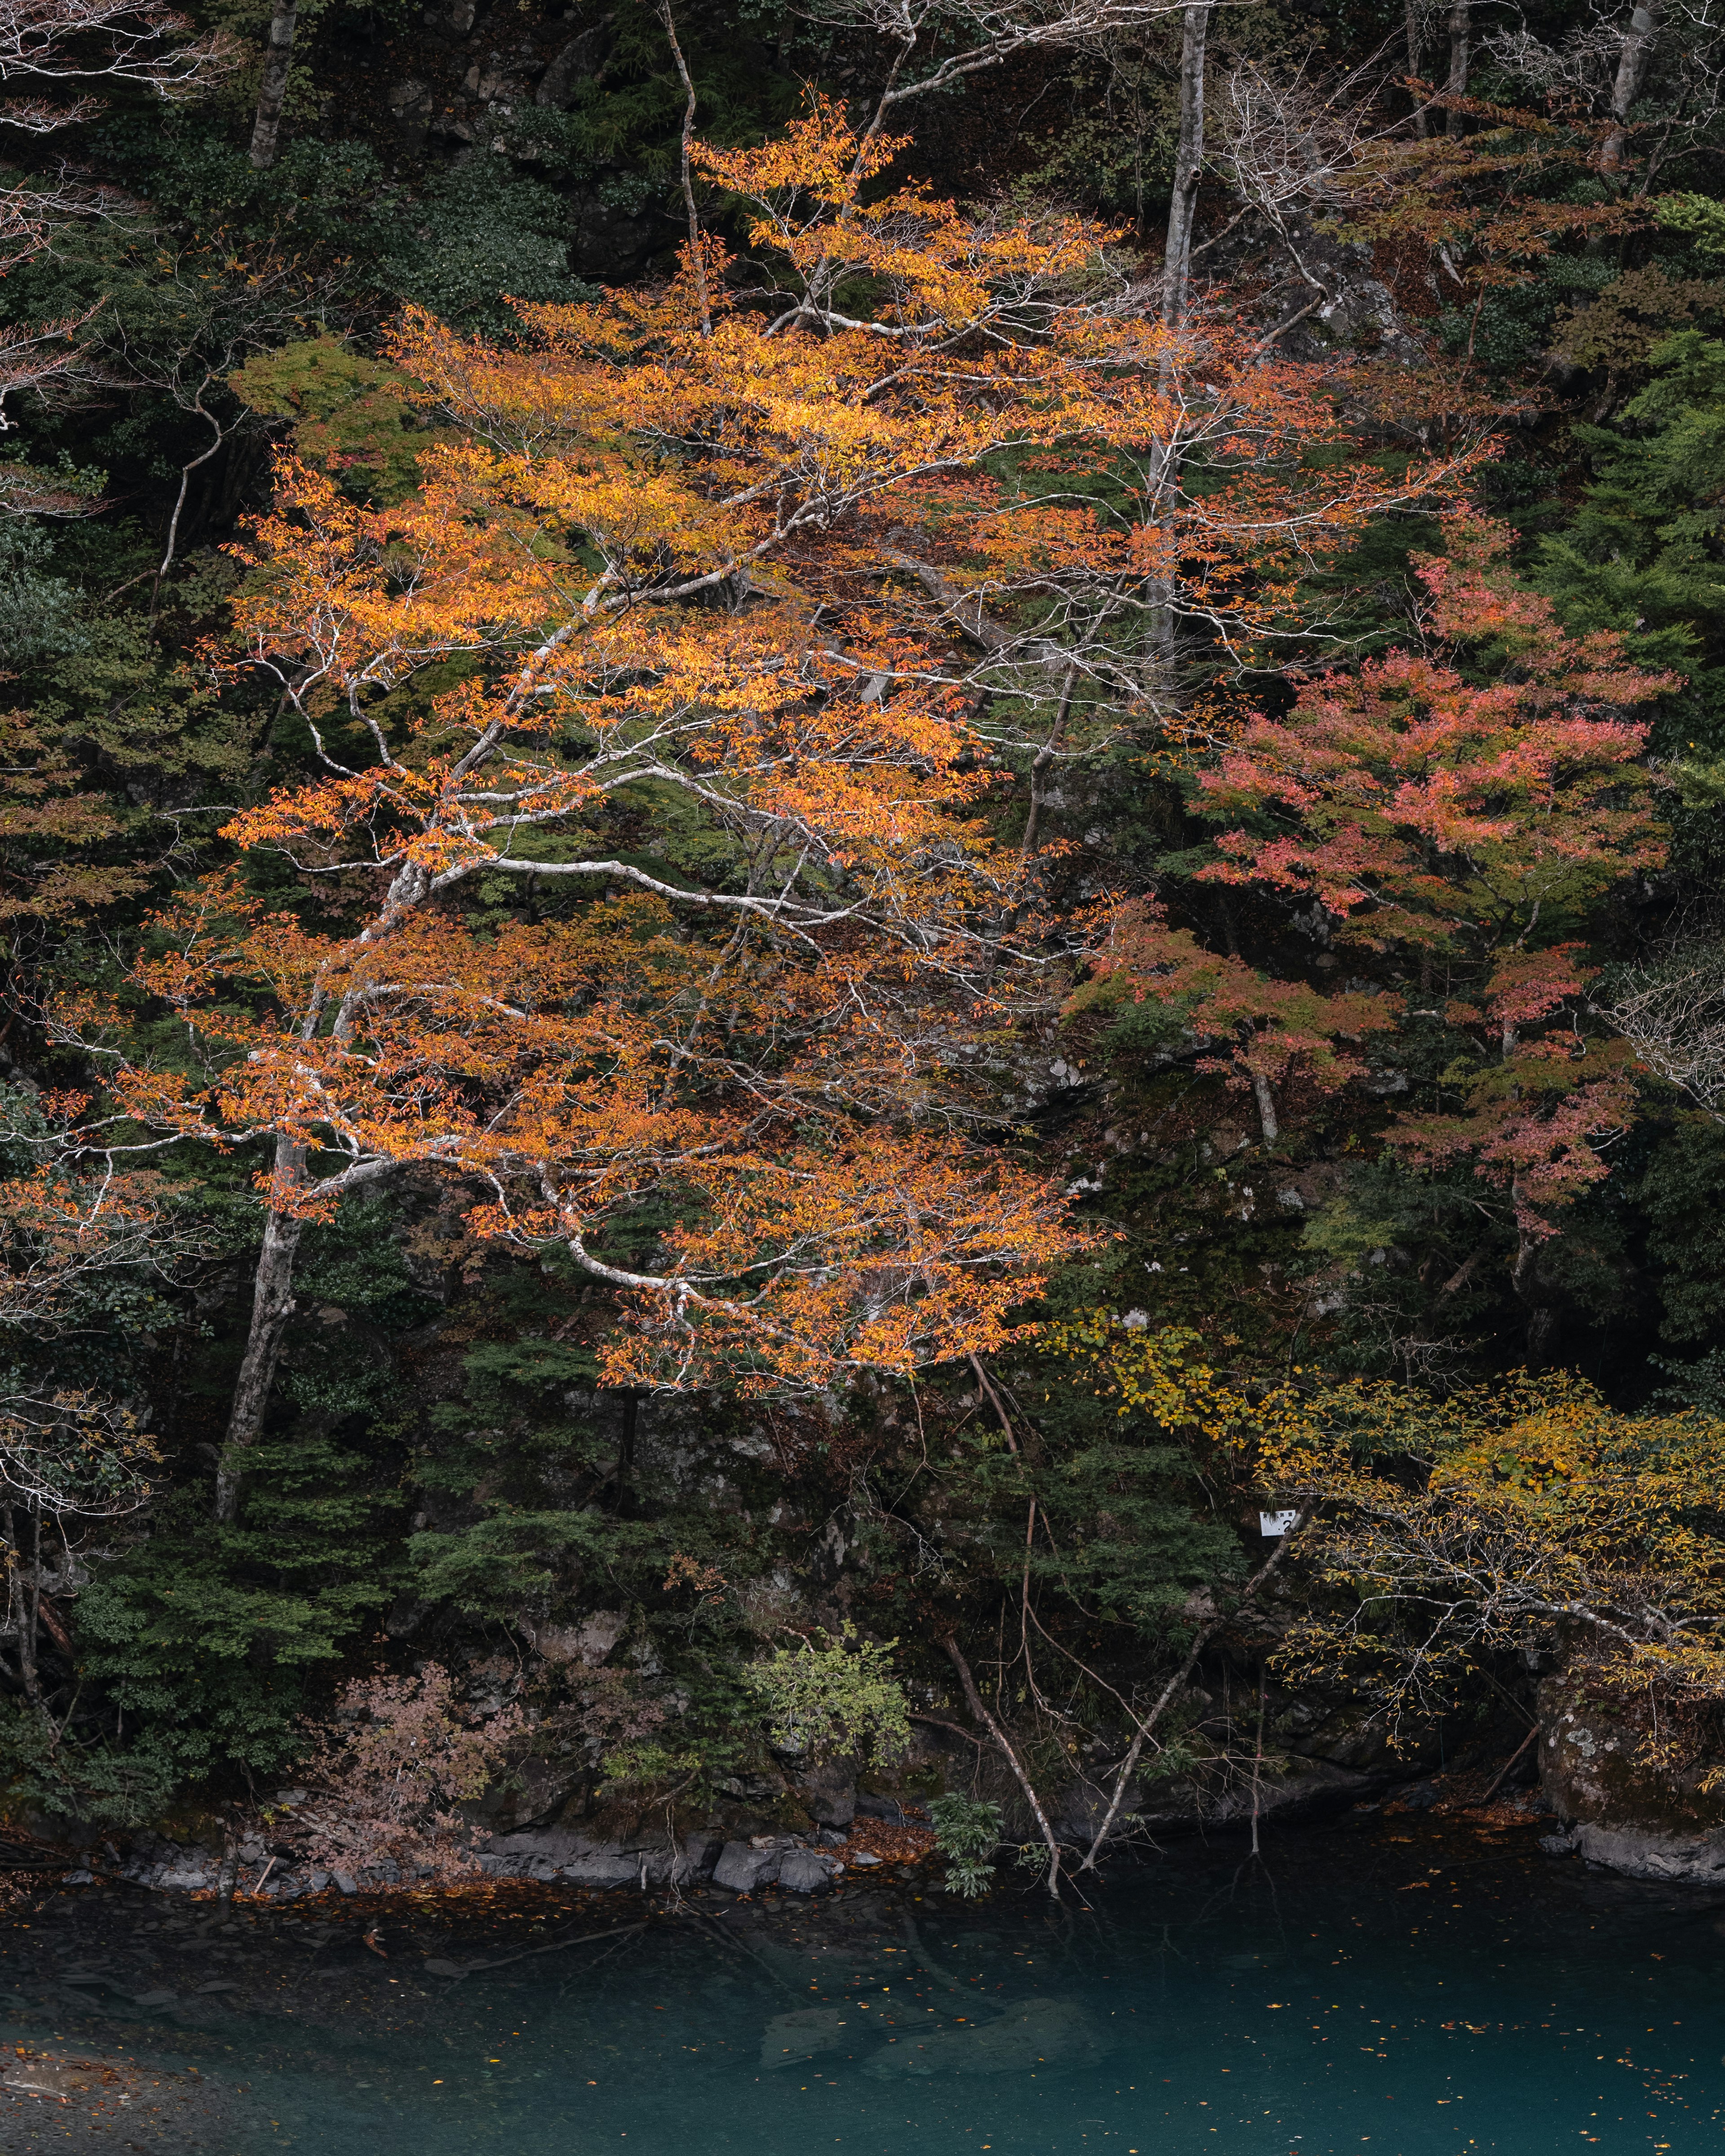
(442, 1474)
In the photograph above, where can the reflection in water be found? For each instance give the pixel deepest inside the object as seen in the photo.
(1384, 1988)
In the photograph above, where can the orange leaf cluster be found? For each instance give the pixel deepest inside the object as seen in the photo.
(703, 640)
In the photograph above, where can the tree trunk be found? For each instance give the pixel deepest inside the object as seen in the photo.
(974, 1699)
(1175, 1685)
(1413, 50)
(1503, 1774)
(697, 252)
(32, 1613)
(1638, 42)
(229, 1876)
(1188, 163)
(1534, 1292)
(1461, 22)
(1038, 769)
(1176, 271)
(1267, 1108)
(272, 1305)
(272, 91)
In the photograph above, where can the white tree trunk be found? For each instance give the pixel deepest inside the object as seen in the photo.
(272, 1305)
(1188, 163)
(1637, 50)
(1267, 1108)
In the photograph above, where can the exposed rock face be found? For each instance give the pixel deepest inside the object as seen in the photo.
(742, 1867)
(804, 1870)
(650, 1860)
(1616, 1810)
(781, 1860)
(830, 1793)
(573, 63)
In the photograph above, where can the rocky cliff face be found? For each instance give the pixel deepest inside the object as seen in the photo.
(1614, 1808)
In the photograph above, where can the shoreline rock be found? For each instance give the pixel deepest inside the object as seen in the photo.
(1612, 1808)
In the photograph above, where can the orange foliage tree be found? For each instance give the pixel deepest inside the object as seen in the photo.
(688, 672)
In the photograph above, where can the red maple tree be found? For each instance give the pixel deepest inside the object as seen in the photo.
(1454, 812)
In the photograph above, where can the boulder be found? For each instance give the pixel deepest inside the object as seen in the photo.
(898, 1809)
(742, 1867)
(830, 1791)
(1310, 1788)
(1612, 1808)
(573, 63)
(805, 1871)
(1644, 1853)
(1028, 2038)
(809, 2033)
(652, 1860)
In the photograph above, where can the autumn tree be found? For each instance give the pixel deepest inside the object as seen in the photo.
(391, 1777)
(701, 638)
(1525, 1518)
(1446, 818)
(1487, 203)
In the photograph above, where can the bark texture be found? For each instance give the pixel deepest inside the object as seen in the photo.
(1188, 164)
(1638, 40)
(272, 1305)
(1414, 48)
(1460, 34)
(272, 91)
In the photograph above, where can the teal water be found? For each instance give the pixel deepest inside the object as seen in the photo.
(1385, 1988)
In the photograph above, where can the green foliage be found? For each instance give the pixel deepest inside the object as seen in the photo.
(643, 1771)
(73, 1775)
(841, 1697)
(1644, 554)
(315, 206)
(1131, 1539)
(1682, 1195)
(350, 416)
(479, 231)
(511, 1469)
(209, 1641)
(1699, 218)
(967, 1832)
(41, 618)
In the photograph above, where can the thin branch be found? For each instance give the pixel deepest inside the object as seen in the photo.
(697, 252)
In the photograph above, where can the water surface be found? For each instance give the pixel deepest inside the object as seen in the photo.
(1385, 1987)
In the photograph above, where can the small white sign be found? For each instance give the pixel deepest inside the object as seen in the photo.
(1277, 1523)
